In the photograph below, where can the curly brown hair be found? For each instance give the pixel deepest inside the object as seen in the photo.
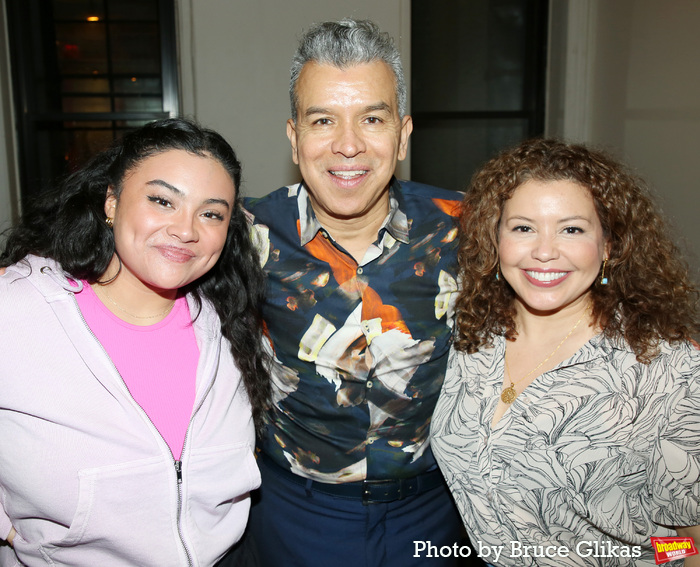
(649, 296)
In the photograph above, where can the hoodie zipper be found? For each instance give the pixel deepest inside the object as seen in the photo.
(178, 475)
(177, 463)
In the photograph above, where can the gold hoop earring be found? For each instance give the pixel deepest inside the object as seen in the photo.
(109, 221)
(603, 278)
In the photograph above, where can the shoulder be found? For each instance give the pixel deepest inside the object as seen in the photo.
(679, 361)
(27, 271)
(205, 319)
(682, 361)
(29, 288)
(674, 366)
(282, 199)
(415, 191)
(463, 366)
(426, 204)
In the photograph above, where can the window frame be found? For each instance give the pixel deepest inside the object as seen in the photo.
(29, 119)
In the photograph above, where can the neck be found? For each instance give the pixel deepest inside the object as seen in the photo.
(543, 325)
(130, 299)
(355, 234)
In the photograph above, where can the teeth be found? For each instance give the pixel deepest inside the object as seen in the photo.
(348, 174)
(546, 276)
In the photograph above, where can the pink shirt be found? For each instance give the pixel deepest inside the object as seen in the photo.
(158, 363)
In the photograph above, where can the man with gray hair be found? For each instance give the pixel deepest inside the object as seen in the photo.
(359, 312)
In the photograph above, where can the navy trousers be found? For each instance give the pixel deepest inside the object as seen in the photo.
(294, 526)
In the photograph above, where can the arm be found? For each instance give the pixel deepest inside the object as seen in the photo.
(694, 532)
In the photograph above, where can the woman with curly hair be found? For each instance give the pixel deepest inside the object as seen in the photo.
(568, 426)
(132, 364)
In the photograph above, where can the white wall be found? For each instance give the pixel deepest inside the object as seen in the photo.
(234, 61)
(626, 77)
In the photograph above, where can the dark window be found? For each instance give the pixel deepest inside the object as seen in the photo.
(477, 83)
(84, 72)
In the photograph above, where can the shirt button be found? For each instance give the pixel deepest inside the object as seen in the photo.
(369, 383)
(359, 270)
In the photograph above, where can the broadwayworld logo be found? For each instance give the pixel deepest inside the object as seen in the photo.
(669, 548)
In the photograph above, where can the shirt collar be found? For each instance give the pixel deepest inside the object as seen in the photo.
(395, 223)
(598, 346)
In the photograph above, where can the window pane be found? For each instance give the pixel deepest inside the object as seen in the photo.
(135, 48)
(137, 104)
(474, 59)
(451, 150)
(89, 85)
(142, 10)
(138, 85)
(81, 48)
(60, 151)
(78, 9)
(86, 104)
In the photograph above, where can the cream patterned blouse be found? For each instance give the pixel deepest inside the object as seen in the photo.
(588, 463)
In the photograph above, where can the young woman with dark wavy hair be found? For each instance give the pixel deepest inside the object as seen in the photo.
(132, 372)
(568, 426)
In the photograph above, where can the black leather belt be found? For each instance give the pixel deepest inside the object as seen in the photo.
(369, 491)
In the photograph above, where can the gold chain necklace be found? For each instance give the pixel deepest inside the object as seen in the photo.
(161, 314)
(509, 394)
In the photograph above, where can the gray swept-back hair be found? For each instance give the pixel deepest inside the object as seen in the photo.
(343, 44)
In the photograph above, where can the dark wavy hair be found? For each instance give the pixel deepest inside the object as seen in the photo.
(67, 224)
(649, 296)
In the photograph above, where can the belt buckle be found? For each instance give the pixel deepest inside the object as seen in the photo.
(368, 489)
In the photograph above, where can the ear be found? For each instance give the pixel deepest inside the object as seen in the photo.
(406, 129)
(292, 135)
(110, 203)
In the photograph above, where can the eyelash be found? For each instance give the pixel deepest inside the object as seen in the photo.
(370, 119)
(163, 202)
(566, 230)
(159, 200)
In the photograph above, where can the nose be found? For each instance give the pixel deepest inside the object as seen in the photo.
(545, 248)
(183, 227)
(348, 140)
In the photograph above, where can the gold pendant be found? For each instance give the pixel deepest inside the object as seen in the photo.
(508, 395)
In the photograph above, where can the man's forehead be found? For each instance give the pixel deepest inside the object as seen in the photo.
(371, 85)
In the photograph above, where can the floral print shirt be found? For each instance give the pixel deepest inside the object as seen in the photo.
(594, 456)
(360, 349)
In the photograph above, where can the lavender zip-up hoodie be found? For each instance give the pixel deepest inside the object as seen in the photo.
(85, 477)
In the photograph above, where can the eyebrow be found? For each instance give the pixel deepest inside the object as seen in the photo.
(379, 107)
(180, 193)
(564, 220)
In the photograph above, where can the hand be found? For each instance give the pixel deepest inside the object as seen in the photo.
(694, 532)
(11, 536)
